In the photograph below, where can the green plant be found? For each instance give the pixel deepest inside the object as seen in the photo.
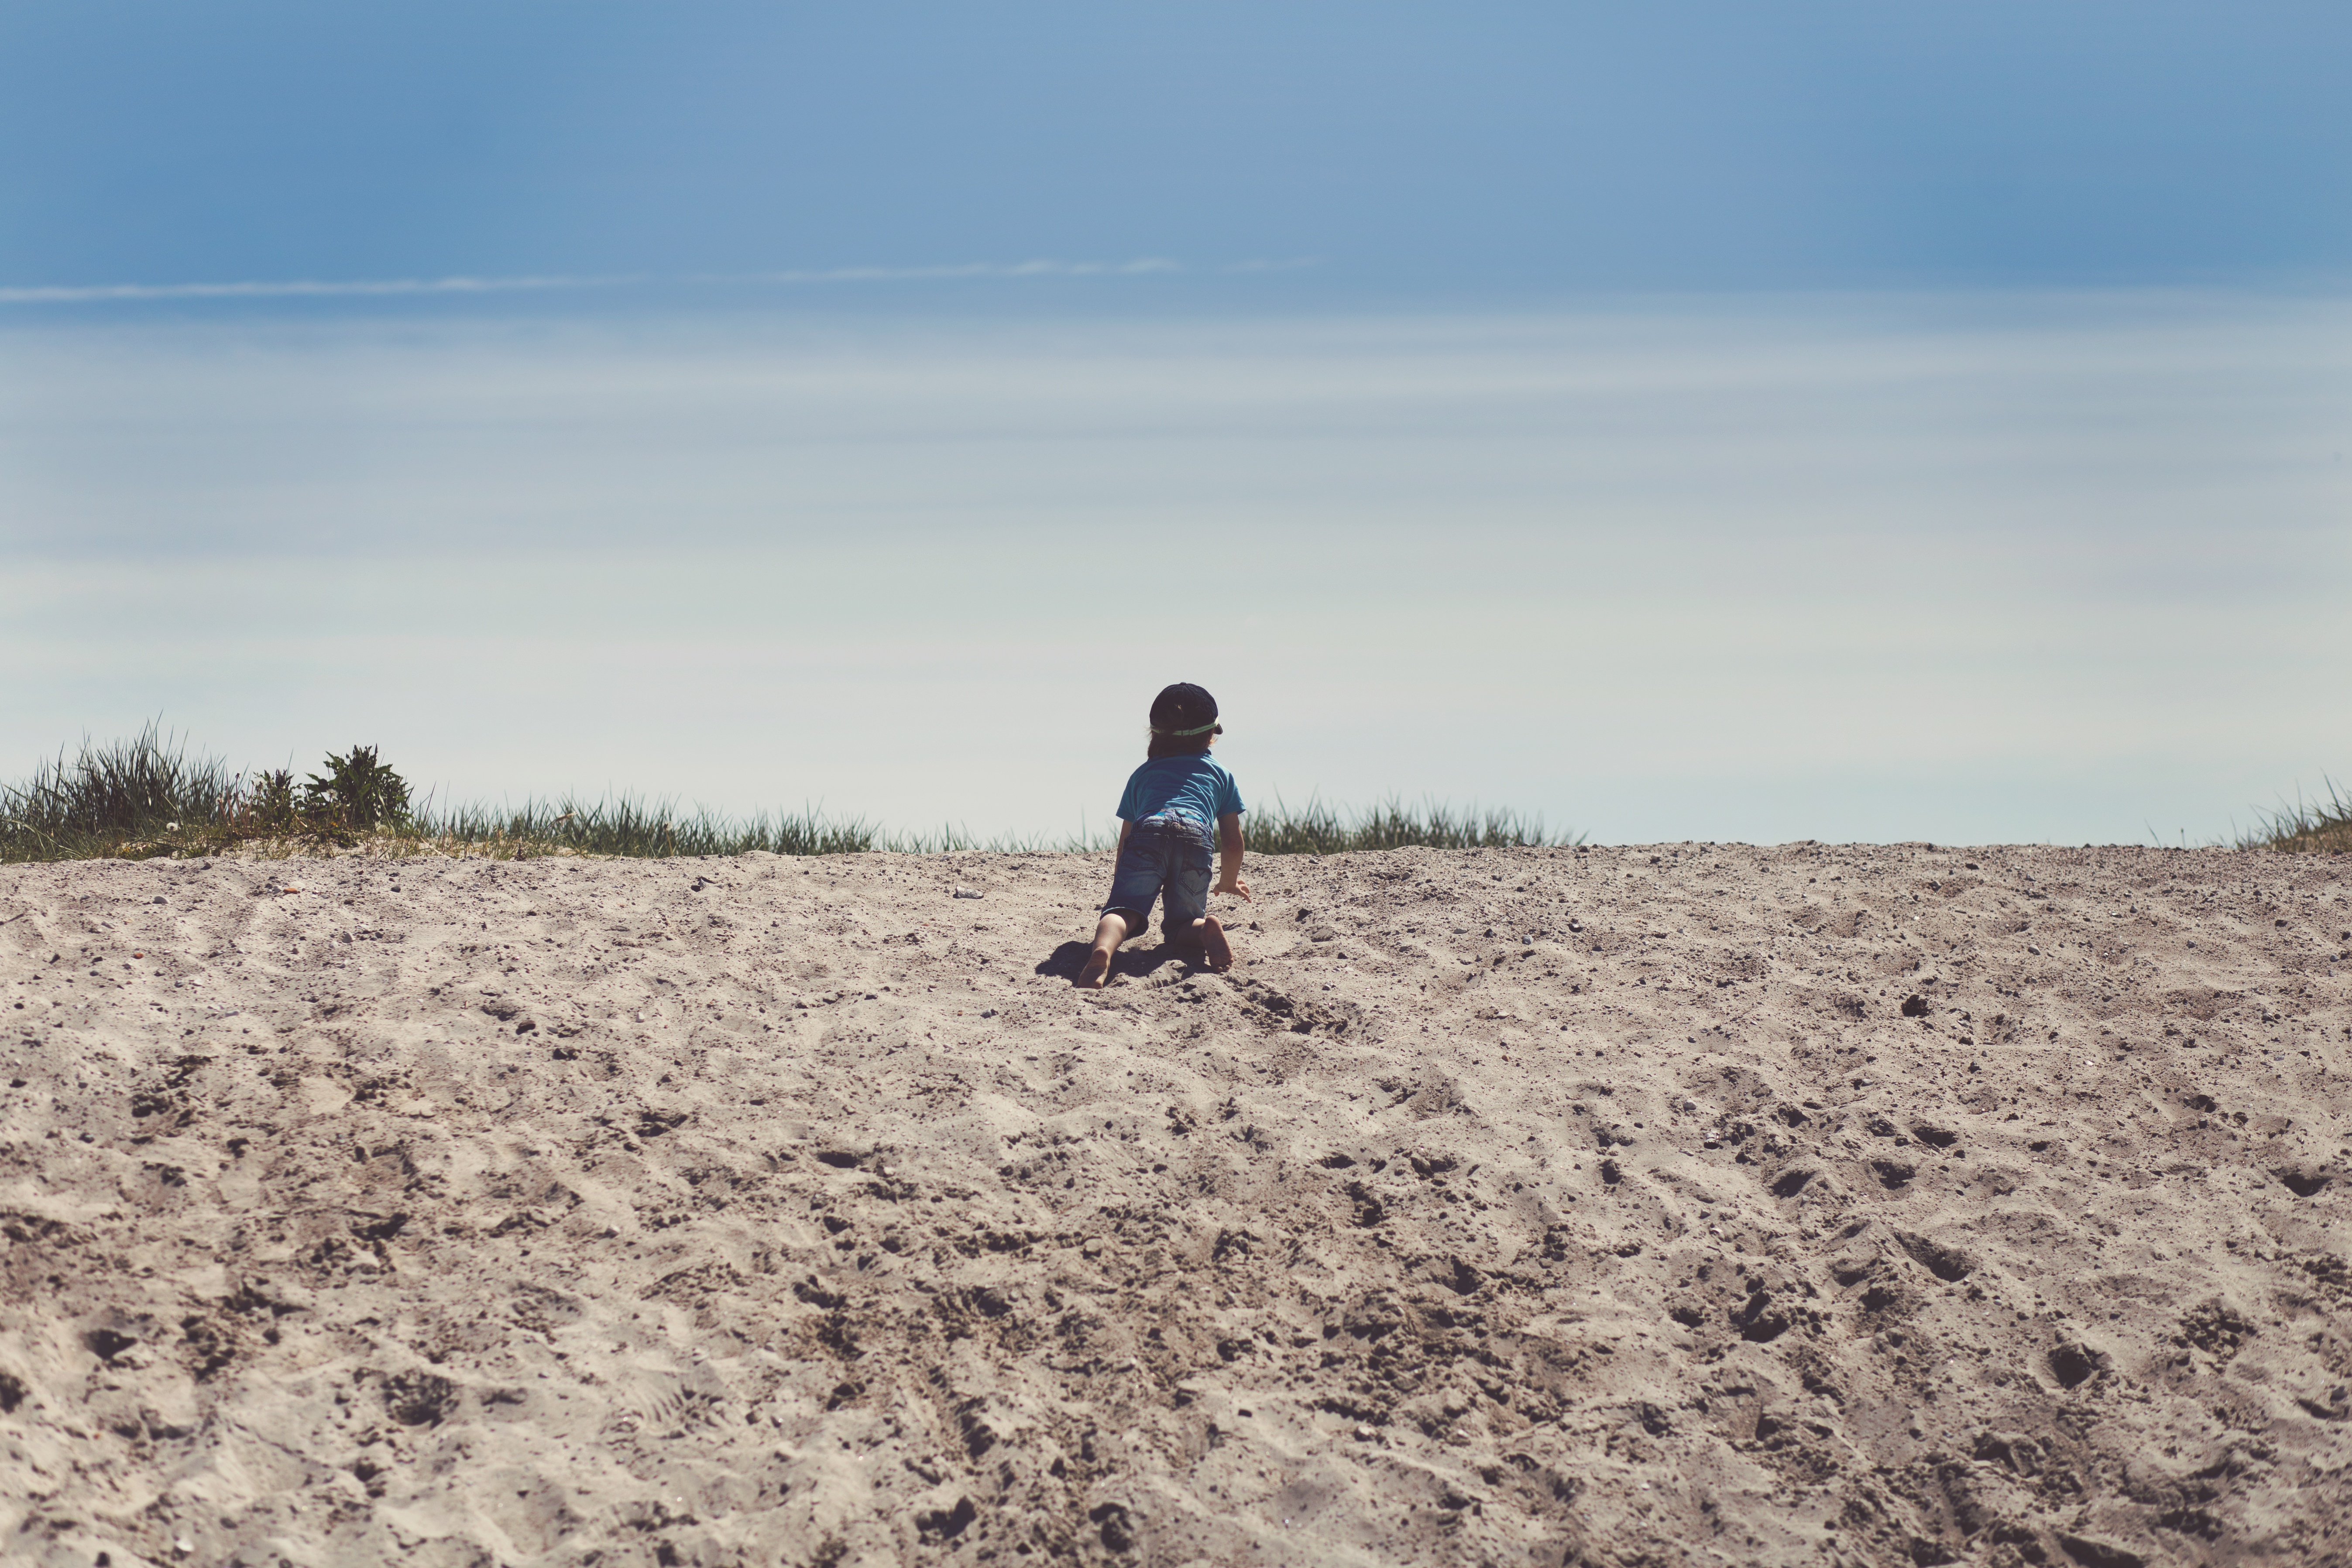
(269, 801)
(359, 793)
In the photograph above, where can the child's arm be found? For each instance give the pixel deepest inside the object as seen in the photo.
(1124, 827)
(1229, 855)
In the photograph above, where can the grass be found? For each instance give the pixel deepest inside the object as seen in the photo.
(151, 797)
(2307, 827)
(1316, 829)
(94, 803)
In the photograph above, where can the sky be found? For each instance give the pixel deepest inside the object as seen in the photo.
(1692, 421)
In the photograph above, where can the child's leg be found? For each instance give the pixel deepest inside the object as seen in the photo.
(1188, 920)
(1109, 932)
(1135, 881)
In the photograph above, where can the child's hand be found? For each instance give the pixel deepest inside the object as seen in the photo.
(1236, 886)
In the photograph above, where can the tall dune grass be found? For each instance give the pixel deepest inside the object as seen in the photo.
(2306, 827)
(151, 795)
(1317, 829)
(105, 796)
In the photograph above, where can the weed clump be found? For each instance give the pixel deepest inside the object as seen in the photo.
(359, 793)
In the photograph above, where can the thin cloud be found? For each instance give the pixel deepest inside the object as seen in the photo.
(106, 293)
(1138, 267)
(76, 294)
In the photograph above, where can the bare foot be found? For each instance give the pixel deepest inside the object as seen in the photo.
(1219, 951)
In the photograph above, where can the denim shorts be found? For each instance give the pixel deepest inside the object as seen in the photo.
(1163, 855)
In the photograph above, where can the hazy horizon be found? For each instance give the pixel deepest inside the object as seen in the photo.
(1951, 569)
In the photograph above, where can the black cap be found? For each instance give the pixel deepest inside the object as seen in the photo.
(1183, 708)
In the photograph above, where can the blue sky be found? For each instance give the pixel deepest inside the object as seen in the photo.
(1418, 153)
(1707, 421)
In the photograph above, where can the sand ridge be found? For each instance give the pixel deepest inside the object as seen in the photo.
(1682, 1203)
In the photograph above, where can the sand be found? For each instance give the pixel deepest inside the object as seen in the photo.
(1689, 1203)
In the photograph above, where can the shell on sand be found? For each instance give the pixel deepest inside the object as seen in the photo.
(1691, 1202)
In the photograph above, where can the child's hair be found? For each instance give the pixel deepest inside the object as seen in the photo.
(1178, 745)
(1183, 722)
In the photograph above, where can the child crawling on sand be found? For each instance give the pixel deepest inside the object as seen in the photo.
(1165, 819)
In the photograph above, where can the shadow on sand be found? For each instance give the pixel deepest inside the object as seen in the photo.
(1130, 962)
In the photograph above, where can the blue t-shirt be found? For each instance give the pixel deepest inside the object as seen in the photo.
(1195, 786)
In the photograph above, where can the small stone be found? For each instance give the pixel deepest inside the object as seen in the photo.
(1364, 1434)
(969, 893)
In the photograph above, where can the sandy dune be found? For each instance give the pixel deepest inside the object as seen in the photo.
(1690, 1204)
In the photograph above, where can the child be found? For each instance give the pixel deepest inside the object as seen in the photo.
(1163, 837)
